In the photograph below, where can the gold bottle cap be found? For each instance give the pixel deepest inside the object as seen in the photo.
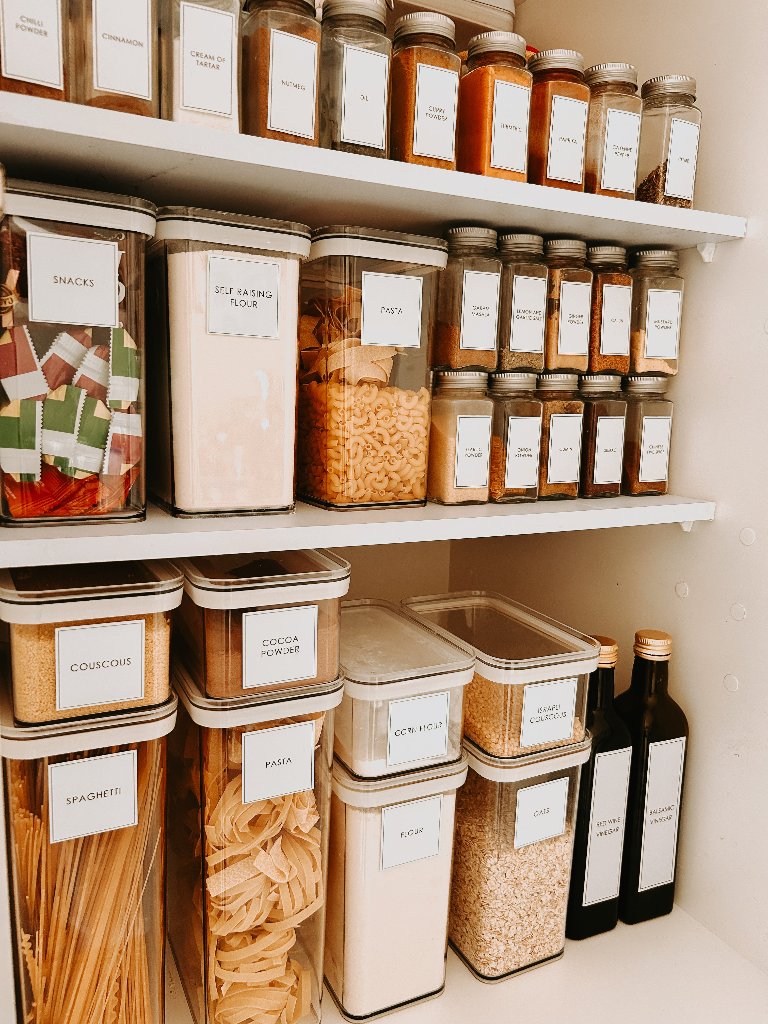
(609, 651)
(653, 644)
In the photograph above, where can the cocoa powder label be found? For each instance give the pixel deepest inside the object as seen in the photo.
(620, 151)
(682, 156)
(208, 59)
(91, 795)
(434, 125)
(607, 816)
(292, 84)
(99, 664)
(278, 762)
(279, 646)
(661, 813)
(479, 311)
(123, 41)
(410, 831)
(509, 132)
(567, 135)
(243, 297)
(540, 812)
(365, 86)
(31, 42)
(72, 280)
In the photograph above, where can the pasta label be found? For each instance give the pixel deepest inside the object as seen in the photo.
(72, 280)
(91, 795)
(278, 762)
(410, 831)
(99, 664)
(391, 310)
(279, 646)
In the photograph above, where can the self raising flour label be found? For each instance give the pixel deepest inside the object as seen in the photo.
(681, 159)
(391, 310)
(278, 762)
(434, 124)
(31, 43)
(662, 323)
(122, 47)
(575, 309)
(622, 145)
(540, 812)
(509, 132)
(609, 449)
(243, 297)
(72, 280)
(607, 814)
(529, 308)
(279, 646)
(99, 664)
(364, 97)
(548, 712)
(92, 795)
(616, 319)
(567, 133)
(292, 84)
(479, 311)
(208, 59)
(418, 728)
(661, 813)
(523, 446)
(654, 449)
(410, 832)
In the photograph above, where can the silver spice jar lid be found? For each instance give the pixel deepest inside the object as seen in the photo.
(471, 237)
(662, 258)
(600, 74)
(558, 381)
(496, 42)
(560, 60)
(606, 255)
(375, 9)
(532, 245)
(501, 383)
(427, 22)
(646, 385)
(461, 379)
(557, 248)
(677, 85)
(600, 383)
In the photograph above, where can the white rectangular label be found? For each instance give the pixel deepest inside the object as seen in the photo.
(473, 451)
(208, 59)
(279, 646)
(622, 145)
(30, 35)
(540, 812)
(92, 795)
(529, 313)
(410, 832)
(434, 122)
(391, 310)
(99, 664)
(616, 319)
(609, 450)
(523, 447)
(278, 762)
(662, 323)
(564, 448)
(72, 280)
(682, 155)
(548, 712)
(364, 97)
(661, 813)
(479, 311)
(509, 131)
(567, 134)
(654, 449)
(123, 41)
(573, 323)
(243, 296)
(292, 84)
(605, 833)
(418, 728)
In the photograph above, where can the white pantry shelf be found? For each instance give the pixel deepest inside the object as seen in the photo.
(186, 164)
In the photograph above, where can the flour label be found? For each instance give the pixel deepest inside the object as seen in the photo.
(243, 297)
(410, 832)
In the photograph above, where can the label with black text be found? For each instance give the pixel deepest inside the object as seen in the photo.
(540, 812)
(509, 131)
(473, 451)
(410, 831)
(616, 319)
(418, 728)
(279, 645)
(654, 449)
(208, 41)
(434, 123)
(479, 311)
(573, 323)
(609, 450)
(661, 813)
(607, 816)
(564, 461)
(292, 84)
(365, 82)
(548, 712)
(529, 310)
(91, 795)
(278, 762)
(72, 280)
(662, 323)
(682, 156)
(99, 664)
(243, 296)
(523, 447)
(620, 151)
(31, 42)
(391, 313)
(567, 135)
(123, 47)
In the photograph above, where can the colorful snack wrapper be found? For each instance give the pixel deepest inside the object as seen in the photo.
(61, 417)
(124, 447)
(20, 371)
(21, 425)
(92, 432)
(93, 374)
(123, 370)
(65, 355)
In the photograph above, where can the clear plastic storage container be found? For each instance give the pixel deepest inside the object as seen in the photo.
(512, 860)
(258, 623)
(72, 354)
(368, 302)
(403, 706)
(468, 303)
(248, 853)
(530, 687)
(388, 888)
(34, 59)
(85, 807)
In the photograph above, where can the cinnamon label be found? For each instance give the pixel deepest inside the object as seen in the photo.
(123, 37)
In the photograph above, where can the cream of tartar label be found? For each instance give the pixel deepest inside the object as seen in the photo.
(479, 310)
(123, 42)
(654, 449)
(473, 451)
(616, 319)
(99, 664)
(279, 645)
(573, 322)
(607, 817)
(208, 40)
(620, 151)
(434, 123)
(662, 323)
(410, 832)
(391, 310)
(661, 813)
(243, 296)
(91, 795)
(31, 41)
(682, 156)
(567, 134)
(564, 448)
(418, 728)
(609, 450)
(278, 762)
(365, 84)
(523, 446)
(540, 812)
(292, 84)
(72, 280)
(509, 131)
(529, 310)
(548, 712)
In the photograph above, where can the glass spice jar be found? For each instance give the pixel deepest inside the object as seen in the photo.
(569, 304)
(354, 77)
(460, 439)
(523, 306)
(669, 141)
(602, 446)
(32, 49)
(613, 130)
(559, 108)
(494, 107)
(611, 310)
(425, 90)
(516, 437)
(647, 436)
(468, 303)
(561, 428)
(657, 306)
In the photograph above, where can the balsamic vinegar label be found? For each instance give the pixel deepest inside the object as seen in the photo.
(661, 813)
(607, 818)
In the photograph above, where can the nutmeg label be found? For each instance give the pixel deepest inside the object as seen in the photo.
(473, 451)
(548, 712)
(278, 762)
(661, 813)
(391, 313)
(208, 44)
(31, 41)
(418, 728)
(662, 323)
(434, 124)
(72, 280)
(567, 135)
(292, 84)
(243, 297)
(364, 91)
(279, 646)
(410, 831)
(540, 812)
(99, 664)
(654, 449)
(91, 795)
(529, 308)
(123, 47)
(479, 310)
(682, 157)
(607, 818)
(620, 151)
(509, 132)
(523, 447)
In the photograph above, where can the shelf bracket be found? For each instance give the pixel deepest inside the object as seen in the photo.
(686, 526)
(707, 251)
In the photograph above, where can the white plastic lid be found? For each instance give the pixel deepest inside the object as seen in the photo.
(518, 769)
(186, 223)
(79, 206)
(375, 244)
(397, 789)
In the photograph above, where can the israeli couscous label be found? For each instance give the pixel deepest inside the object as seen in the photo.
(654, 449)
(607, 818)
(523, 447)
(391, 310)
(434, 122)
(292, 84)
(72, 280)
(410, 832)
(473, 451)
(564, 462)
(509, 132)
(99, 664)
(548, 712)
(620, 151)
(418, 728)
(662, 323)
(661, 813)
(567, 135)
(573, 322)
(123, 47)
(91, 795)
(529, 310)
(31, 41)
(364, 92)
(609, 450)
(208, 42)
(278, 762)
(616, 319)
(682, 157)
(243, 297)
(540, 812)
(479, 311)
(279, 646)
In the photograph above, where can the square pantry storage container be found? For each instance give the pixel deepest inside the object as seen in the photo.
(89, 639)
(403, 706)
(257, 623)
(72, 354)
(85, 805)
(512, 860)
(224, 295)
(250, 789)
(388, 887)
(368, 311)
(529, 692)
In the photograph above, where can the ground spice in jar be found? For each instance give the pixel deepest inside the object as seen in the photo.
(647, 437)
(569, 305)
(523, 304)
(459, 440)
(611, 310)
(34, 63)
(561, 429)
(657, 307)
(468, 302)
(605, 410)
(516, 437)
(613, 130)
(559, 109)
(669, 142)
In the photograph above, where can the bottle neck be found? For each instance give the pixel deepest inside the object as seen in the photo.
(425, 39)
(614, 89)
(493, 59)
(289, 6)
(601, 688)
(360, 21)
(669, 99)
(650, 678)
(557, 75)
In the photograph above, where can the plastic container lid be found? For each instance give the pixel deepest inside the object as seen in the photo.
(188, 223)
(518, 769)
(79, 206)
(68, 593)
(512, 643)
(397, 789)
(371, 243)
(268, 578)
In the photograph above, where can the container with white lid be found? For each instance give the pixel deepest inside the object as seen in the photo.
(249, 806)
(89, 639)
(403, 692)
(258, 623)
(388, 887)
(512, 860)
(530, 687)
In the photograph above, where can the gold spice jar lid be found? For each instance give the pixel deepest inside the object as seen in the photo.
(653, 644)
(678, 85)
(556, 60)
(375, 9)
(427, 22)
(496, 42)
(600, 74)
(609, 651)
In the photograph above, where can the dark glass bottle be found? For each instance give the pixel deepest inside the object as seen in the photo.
(593, 901)
(659, 732)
